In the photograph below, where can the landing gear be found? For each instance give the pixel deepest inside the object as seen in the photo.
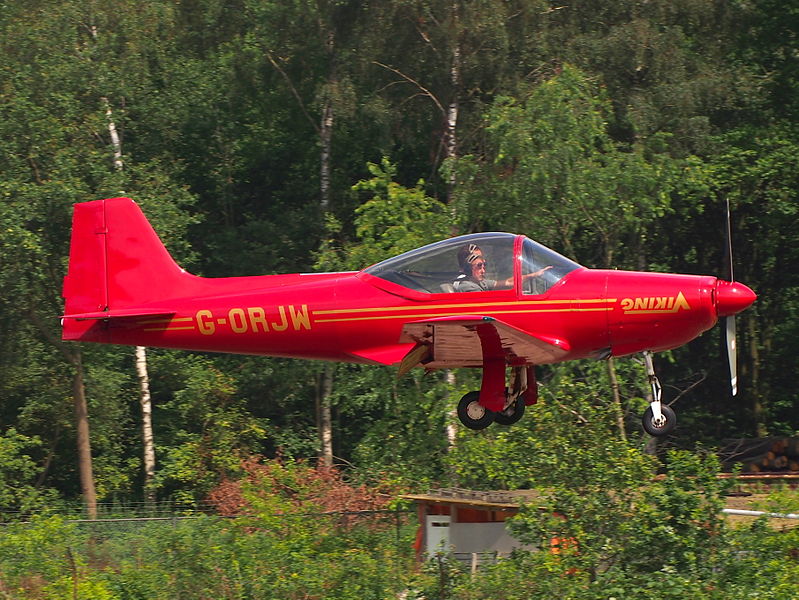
(473, 414)
(477, 410)
(659, 419)
(657, 427)
(512, 413)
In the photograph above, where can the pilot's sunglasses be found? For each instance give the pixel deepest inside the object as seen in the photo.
(480, 265)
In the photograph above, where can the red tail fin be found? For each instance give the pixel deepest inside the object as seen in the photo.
(116, 260)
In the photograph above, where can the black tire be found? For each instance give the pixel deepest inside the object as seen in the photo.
(473, 414)
(512, 414)
(668, 426)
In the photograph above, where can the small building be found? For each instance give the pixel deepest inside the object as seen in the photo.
(471, 525)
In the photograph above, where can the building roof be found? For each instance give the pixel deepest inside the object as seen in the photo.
(493, 500)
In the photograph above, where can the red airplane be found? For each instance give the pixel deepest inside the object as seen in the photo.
(486, 300)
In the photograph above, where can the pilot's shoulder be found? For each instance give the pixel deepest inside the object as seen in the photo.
(464, 284)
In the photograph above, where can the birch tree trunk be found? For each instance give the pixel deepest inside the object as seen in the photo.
(325, 417)
(325, 412)
(451, 151)
(452, 417)
(324, 129)
(141, 351)
(325, 138)
(451, 129)
(147, 424)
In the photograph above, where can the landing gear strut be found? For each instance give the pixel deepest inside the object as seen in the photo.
(495, 402)
(659, 419)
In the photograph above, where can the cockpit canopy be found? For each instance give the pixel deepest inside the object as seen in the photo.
(443, 266)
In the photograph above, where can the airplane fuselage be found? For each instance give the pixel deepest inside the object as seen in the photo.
(489, 300)
(352, 317)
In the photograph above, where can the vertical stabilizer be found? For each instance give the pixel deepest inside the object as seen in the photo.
(116, 260)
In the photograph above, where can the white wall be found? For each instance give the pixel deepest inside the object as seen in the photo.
(481, 537)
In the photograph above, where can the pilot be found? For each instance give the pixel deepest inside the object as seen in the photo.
(472, 263)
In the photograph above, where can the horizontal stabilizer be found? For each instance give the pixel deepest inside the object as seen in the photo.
(119, 314)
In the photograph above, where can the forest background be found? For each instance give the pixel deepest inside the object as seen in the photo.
(272, 137)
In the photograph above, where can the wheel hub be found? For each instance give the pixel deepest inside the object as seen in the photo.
(475, 410)
(659, 421)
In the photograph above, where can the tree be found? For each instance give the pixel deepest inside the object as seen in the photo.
(394, 219)
(757, 173)
(205, 430)
(19, 495)
(602, 521)
(60, 79)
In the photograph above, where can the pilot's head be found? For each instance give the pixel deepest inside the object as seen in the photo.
(472, 262)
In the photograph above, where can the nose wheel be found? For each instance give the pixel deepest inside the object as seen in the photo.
(659, 419)
(661, 425)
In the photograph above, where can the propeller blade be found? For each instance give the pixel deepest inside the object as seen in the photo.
(731, 277)
(732, 348)
(732, 354)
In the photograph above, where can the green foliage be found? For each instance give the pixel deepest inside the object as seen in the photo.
(605, 524)
(207, 432)
(780, 500)
(400, 424)
(18, 471)
(393, 220)
(213, 559)
(603, 518)
(611, 131)
(284, 548)
(571, 429)
(554, 170)
(32, 555)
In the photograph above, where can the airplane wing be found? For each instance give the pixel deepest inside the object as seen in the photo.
(466, 341)
(382, 355)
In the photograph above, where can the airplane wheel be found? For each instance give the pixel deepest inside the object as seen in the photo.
(512, 414)
(667, 427)
(473, 414)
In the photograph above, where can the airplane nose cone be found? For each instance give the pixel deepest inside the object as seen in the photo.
(732, 297)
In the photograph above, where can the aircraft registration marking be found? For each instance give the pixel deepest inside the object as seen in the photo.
(255, 319)
(251, 319)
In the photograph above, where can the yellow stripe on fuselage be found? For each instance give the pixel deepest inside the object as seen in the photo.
(165, 320)
(461, 306)
(463, 310)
